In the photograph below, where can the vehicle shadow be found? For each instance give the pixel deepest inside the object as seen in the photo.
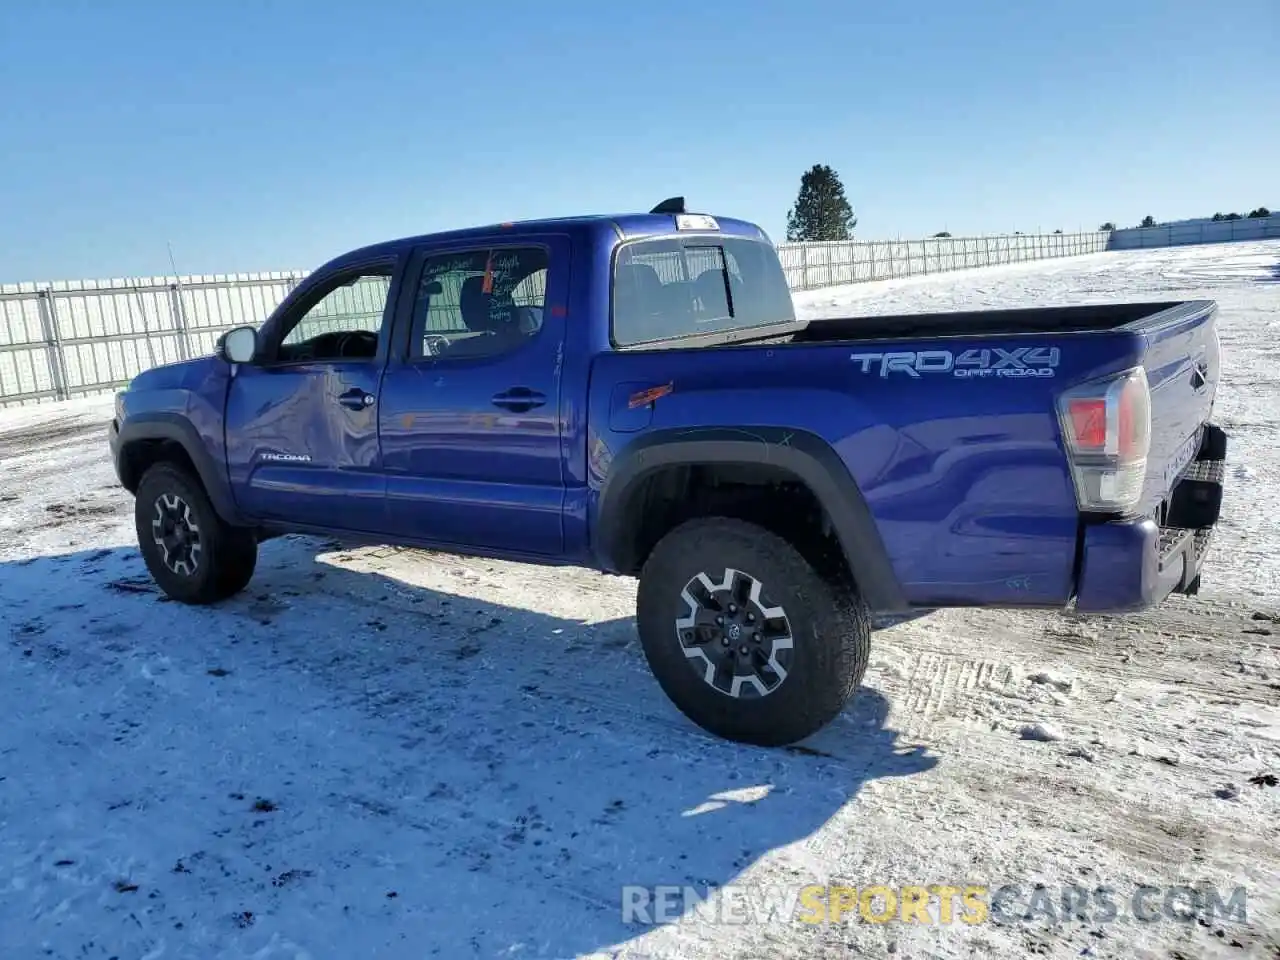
(502, 773)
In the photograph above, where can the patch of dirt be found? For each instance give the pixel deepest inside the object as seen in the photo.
(50, 435)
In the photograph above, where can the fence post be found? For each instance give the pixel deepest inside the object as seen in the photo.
(804, 266)
(53, 340)
(179, 320)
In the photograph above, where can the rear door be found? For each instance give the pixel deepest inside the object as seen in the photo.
(302, 419)
(471, 408)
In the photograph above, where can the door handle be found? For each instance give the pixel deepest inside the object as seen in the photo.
(356, 399)
(519, 399)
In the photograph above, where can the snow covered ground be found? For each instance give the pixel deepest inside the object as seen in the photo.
(386, 753)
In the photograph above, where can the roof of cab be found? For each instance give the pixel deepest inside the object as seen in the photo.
(627, 226)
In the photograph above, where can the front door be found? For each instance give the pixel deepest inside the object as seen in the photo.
(302, 419)
(470, 411)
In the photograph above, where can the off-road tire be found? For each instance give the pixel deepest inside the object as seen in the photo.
(227, 555)
(829, 624)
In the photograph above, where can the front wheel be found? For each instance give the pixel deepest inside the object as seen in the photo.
(193, 554)
(745, 637)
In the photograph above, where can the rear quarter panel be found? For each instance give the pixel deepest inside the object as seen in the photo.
(964, 476)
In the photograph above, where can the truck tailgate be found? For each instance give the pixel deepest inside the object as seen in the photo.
(1182, 367)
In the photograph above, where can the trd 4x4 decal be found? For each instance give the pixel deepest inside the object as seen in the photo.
(978, 362)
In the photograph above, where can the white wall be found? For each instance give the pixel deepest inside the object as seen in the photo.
(1180, 234)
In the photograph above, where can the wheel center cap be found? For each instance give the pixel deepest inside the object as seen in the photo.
(734, 631)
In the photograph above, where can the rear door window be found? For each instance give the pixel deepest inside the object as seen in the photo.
(479, 303)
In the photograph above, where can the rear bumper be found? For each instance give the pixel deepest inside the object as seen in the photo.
(1132, 565)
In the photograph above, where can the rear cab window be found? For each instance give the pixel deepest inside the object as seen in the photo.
(666, 288)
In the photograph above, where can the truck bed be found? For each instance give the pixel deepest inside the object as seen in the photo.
(1074, 319)
(950, 425)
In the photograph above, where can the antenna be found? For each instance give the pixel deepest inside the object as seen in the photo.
(172, 262)
(670, 205)
(180, 318)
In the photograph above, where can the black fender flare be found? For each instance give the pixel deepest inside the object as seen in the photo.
(805, 455)
(175, 428)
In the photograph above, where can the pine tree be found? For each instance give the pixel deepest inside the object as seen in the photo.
(1148, 221)
(821, 211)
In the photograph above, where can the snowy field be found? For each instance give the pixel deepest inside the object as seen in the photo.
(387, 753)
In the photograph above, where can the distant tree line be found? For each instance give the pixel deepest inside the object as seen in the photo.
(822, 210)
(1260, 212)
(1150, 221)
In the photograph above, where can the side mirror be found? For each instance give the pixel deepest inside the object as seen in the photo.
(238, 345)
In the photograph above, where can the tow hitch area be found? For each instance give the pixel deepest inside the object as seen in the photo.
(1195, 504)
(1196, 500)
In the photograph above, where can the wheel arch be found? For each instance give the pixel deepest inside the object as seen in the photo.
(151, 438)
(801, 455)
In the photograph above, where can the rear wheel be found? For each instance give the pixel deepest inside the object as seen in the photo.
(745, 637)
(193, 554)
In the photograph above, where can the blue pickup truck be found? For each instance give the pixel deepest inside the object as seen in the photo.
(635, 394)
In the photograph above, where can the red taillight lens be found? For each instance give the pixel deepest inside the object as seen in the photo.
(1088, 423)
(1106, 426)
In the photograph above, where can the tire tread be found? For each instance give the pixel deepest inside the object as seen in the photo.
(229, 553)
(833, 619)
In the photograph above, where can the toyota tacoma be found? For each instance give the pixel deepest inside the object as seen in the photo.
(636, 394)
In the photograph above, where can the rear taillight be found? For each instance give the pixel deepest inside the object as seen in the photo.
(1106, 425)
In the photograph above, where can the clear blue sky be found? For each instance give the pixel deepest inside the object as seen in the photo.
(258, 135)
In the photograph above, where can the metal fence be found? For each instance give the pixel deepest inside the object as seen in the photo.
(812, 265)
(64, 340)
(72, 339)
(1201, 231)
